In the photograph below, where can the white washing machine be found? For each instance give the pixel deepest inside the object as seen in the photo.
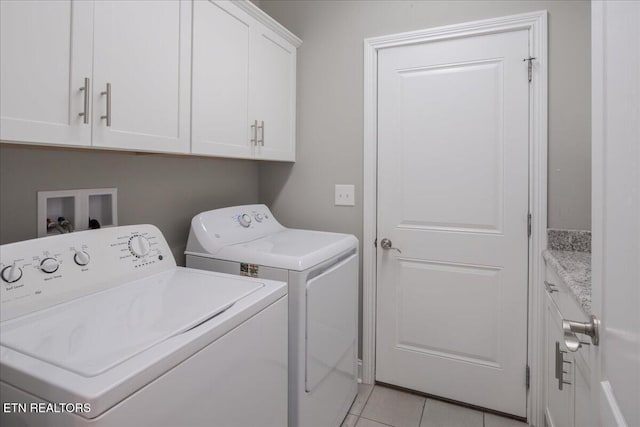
(100, 328)
(322, 271)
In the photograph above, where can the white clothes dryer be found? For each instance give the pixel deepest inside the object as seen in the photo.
(100, 328)
(321, 269)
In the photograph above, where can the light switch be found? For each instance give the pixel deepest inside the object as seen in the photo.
(345, 195)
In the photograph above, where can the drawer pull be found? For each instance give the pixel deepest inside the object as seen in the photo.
(551, 288)
(560, 368)
(107, 93)
(261, 140)
(85, 113)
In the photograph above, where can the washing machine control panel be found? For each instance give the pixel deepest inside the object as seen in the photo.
(38, 273)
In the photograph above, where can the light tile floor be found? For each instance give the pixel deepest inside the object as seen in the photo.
(377, 406)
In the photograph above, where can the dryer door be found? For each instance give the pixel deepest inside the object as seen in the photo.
(331, 322)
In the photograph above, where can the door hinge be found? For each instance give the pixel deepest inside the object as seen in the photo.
(375, 242)
(527, 377)
(529, 224)
(529, 66)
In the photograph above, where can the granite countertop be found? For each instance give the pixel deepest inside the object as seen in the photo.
(574, 269)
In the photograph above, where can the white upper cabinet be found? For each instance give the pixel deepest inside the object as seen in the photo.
(273, 95)
(142, 56)
(206, 77)
(45, 57)
(244, 81)
(221, 34)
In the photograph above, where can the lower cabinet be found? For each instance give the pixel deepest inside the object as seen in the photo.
(558, 370)
(567, 388)
(583, 410)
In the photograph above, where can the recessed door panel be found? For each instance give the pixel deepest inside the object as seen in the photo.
(460, 146)
(429, 292)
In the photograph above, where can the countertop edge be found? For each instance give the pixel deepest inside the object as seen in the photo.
(580, 293)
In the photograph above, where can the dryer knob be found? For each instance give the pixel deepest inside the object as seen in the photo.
(12, 273)
(259, 217)
(244, 220)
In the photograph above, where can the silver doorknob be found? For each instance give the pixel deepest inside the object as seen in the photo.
(388, 244)
(571, 328)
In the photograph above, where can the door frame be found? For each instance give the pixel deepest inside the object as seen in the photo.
(536, 24)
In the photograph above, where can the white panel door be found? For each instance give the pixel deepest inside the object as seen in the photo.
(143, 50)
(220, 82)
(616, 210)
(272, 91)
(453, 198)
(45, 56)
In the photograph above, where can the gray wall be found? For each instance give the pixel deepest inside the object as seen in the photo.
(166, 191)
(330, 102)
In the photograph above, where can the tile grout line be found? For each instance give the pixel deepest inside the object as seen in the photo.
(364, 405)
(376, 421)
(368, 397)
(374, 387)
(424, 406)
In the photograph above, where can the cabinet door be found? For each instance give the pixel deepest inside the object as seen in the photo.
(221, 34)
(142, 49)
(45, 56)
(583, 407)
(558, 403)
(272, 93)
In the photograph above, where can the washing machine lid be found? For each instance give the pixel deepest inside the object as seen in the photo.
(289, 249)
(93, 334)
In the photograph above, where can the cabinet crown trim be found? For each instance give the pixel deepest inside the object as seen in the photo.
(268, 21)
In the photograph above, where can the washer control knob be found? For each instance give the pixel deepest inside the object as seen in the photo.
(244, 220)
(81, 258)
(259, 217)
(139, 246)
(11, 273)
(49, 265)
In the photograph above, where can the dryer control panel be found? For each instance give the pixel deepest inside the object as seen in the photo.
(215, 229)
(38, 273)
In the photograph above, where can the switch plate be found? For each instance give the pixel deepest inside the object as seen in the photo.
(345, 195)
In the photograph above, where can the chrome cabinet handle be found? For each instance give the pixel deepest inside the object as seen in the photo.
(254, 126)
(571, 328)
(551, 288)
(85, 114)
(388, 245)
(108, 94)
(261, 127)
(560, 366)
